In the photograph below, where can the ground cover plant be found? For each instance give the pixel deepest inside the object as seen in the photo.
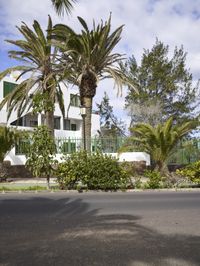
(191, 171)
(154, 179)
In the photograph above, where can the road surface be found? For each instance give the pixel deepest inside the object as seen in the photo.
(130, 229)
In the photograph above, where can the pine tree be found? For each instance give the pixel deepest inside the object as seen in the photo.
(165, 86)
(111, 126)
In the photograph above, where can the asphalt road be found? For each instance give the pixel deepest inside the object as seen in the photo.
(146, 228)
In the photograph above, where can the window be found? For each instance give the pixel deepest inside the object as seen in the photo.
(56, 122)
(21, 147)
(18, 122)
(73, 127)
(8, 87)
(66, 124)
(33, 123)
(74, 100)
(68, 147)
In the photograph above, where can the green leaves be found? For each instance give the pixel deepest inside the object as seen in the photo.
(164, 81)
(91, 51)
(62, 6)
(110, 125)
(160, 141)
(93, 171)
(40, 153)
(192, 171)
(7, 141)
(44, 71)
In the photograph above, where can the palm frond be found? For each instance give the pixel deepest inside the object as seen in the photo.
(160, 141)
(35, 51)
(62, 6)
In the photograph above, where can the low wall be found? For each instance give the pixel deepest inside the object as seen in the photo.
(132, 157)
(17, 171)
(123, 157)
(16, 163)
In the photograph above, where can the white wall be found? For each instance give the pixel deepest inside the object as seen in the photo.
(132, 157)
(123, 157)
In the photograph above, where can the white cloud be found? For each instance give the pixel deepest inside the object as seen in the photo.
(175, 22)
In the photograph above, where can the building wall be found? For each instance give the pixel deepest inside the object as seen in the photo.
(71, 112)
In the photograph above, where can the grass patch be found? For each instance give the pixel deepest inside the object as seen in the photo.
(23, 188)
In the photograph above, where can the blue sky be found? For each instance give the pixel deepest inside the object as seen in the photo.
(175, 22)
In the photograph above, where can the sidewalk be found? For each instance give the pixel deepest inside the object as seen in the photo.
(36, 181)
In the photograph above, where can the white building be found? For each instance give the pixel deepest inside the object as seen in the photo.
(69, 126)
(65, 127)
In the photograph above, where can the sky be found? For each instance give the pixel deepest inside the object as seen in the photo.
(174, 22)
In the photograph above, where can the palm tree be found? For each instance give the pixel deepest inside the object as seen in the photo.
(91, 59)
(62, 6)
(41, 88)
(160, 141)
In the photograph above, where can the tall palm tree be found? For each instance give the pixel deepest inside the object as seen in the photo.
(41, 88)
(91, 58)
(160, 141)
(62, 6)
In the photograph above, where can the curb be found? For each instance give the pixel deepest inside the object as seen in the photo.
(101, 191)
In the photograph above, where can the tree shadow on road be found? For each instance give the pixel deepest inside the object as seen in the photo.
(42, 231)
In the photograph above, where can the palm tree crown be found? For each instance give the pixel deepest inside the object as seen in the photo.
(91, 58)
(160, 141)
(41, 88)
(62, 6)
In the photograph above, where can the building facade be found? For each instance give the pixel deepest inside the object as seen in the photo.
(68, 127)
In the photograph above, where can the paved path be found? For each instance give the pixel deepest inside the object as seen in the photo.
(145, 228)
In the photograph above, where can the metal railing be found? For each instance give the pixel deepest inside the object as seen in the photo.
(70, 145)
(186, 152)
(105, 145)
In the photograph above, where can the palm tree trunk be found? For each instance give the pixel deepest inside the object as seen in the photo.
(49, 121)
(162, 168)
(87, 102)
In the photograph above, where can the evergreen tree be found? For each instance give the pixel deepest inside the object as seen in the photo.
(165, 86)
(111, 126)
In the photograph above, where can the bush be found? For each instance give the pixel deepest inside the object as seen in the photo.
(154, 179)
(40, 153)
(192, 171)
(137, 182)
(93, 171)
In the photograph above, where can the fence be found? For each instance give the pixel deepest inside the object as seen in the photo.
(69, 145)
(185, 152)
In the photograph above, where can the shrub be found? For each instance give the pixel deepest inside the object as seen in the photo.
(40, 153)
(154, 178)
(137, 182)
(93, 171)
(192, 171)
